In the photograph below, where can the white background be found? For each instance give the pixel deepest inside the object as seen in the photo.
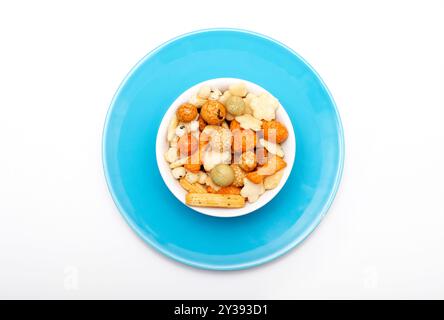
(61, 235)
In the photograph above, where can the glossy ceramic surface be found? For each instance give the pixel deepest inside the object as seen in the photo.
(130, 160)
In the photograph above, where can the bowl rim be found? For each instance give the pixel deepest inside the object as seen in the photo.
(237, 266)
(173, 185)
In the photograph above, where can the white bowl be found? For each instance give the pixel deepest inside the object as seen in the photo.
(162, 146)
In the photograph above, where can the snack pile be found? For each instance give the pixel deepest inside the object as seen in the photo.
(225, 147)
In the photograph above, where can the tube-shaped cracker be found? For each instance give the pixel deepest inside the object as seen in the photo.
(192, 187)
(214, 200)
(225, 190)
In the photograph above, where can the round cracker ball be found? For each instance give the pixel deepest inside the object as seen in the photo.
(186, 112)
(235, 105)
(204, 92)
(222, 175)
(223, 98)
(238, 89)
(274, 130)
(248, 161)
(218, 137)
(239, 175)
(213, 112)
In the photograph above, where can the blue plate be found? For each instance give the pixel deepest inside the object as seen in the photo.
(130, 161)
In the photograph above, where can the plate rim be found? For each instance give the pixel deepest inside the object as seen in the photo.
(256, 262)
